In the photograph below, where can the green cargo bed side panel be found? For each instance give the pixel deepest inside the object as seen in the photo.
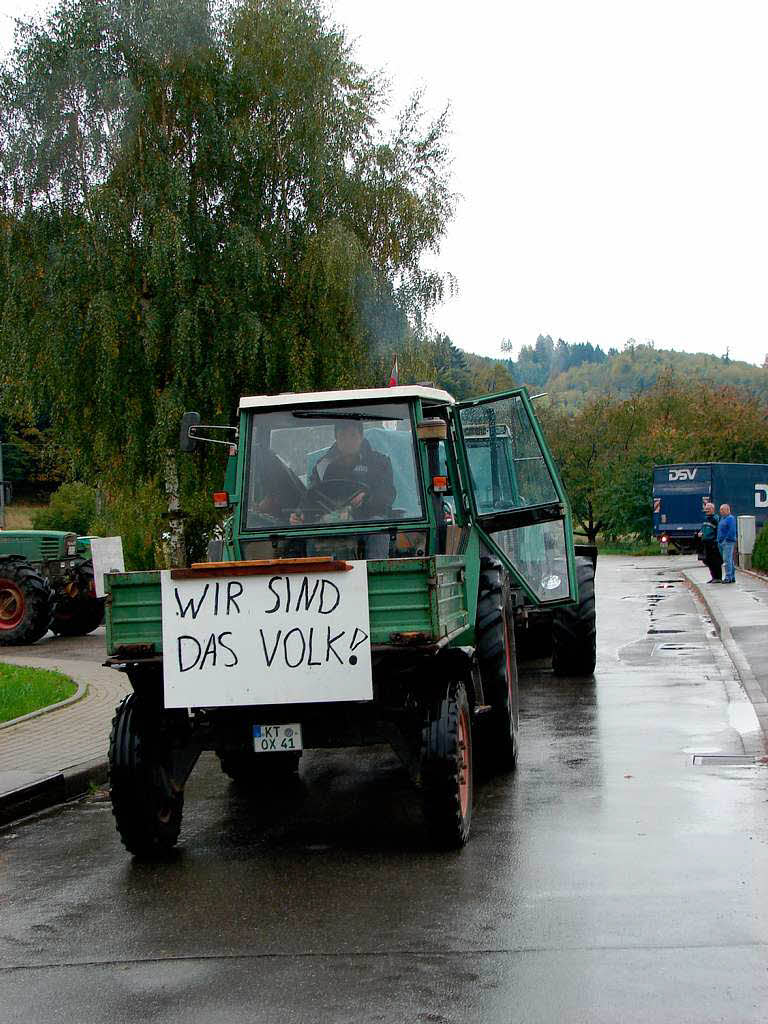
(134, 610)
(417, 595)
(405, 595)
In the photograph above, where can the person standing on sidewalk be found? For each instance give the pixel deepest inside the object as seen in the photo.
(726, 538)
(708, 533)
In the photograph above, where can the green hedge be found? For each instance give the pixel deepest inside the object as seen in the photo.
(73, 507)
(760, 554)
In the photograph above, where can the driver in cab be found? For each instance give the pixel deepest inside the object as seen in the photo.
(351, 474)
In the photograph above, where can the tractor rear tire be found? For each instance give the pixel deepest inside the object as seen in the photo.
(447, 774)
(77, 616)
(495, 646)
(247, 768)
(26, 603)
(147, 806)
(574, 631)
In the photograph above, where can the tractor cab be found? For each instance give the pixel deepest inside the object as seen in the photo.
(401, 472)
(334, 473)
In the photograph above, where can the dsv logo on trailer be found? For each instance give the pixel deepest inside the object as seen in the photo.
(761, 495)
(683, 474)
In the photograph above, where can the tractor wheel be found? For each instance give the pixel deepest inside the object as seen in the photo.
(495, 638)
(574, 634)
(446, 769)
(26, 603)
(534, 639)
(247, 768)
(145, 802)
(76, 616)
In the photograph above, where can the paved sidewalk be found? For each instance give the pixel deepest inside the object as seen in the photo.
(54, 756)
(740, 613)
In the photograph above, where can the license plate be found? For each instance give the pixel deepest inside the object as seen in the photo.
(277, 739)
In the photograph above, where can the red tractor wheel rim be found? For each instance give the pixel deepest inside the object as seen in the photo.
(465, 770)
(11, 604)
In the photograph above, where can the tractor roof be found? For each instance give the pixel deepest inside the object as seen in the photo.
(429, 396)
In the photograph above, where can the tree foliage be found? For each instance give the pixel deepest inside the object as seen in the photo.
(606, 449)
(760, 552)
(538, 364)
(196, 204)
(639, 367)
(73, 507)
(464, 374)
(574, 373)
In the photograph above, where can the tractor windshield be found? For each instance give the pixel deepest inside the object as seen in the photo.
(312, 466)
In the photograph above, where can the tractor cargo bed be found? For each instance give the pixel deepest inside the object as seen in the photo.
(411, 601)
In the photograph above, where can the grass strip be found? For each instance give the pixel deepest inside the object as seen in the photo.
(28, 689)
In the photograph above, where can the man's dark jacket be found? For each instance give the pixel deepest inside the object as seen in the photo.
(370, 468)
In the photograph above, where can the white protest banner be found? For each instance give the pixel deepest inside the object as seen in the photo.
(257, 639)
(107, 556)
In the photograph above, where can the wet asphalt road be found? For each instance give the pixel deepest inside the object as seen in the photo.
(609, 880)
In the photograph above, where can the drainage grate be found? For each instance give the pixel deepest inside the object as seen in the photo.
(740, 760)
(666, 630)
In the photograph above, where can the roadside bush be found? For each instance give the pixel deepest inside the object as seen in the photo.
(201, 523)
(73, 507)
(137, 518)
(760, 553)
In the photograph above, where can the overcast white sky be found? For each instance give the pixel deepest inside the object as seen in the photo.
(612, 158)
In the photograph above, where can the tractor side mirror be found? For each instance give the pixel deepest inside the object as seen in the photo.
(187, 440)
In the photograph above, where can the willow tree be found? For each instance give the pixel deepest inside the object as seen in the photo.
(196, 204)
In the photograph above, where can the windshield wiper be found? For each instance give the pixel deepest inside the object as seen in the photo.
(310, 414)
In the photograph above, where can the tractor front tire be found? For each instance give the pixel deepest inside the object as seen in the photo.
(26, 603)
(446, 769)
(77, 616)
(496, 654)
(574, 631)
(145, 802)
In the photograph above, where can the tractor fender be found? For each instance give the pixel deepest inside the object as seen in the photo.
(459, 664)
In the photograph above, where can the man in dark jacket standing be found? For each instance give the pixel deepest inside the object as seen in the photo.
(712, 557)
(726, 538)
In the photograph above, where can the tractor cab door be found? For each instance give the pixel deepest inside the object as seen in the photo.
(516, 495)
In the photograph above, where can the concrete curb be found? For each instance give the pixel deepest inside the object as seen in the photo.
(53, 789)
(740, 663)
(80, 692)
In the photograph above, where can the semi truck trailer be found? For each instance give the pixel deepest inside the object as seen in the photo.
(680, 493)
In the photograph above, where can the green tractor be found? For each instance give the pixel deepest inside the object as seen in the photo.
(46, 582)
(382, 550)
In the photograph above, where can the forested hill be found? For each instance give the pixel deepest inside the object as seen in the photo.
(640, 367)
(574, 373)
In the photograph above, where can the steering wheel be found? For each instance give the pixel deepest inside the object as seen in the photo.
(334, 495)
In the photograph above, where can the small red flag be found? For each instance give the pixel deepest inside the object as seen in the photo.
(394, 377)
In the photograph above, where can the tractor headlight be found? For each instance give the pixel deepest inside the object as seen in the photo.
(71, 544)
